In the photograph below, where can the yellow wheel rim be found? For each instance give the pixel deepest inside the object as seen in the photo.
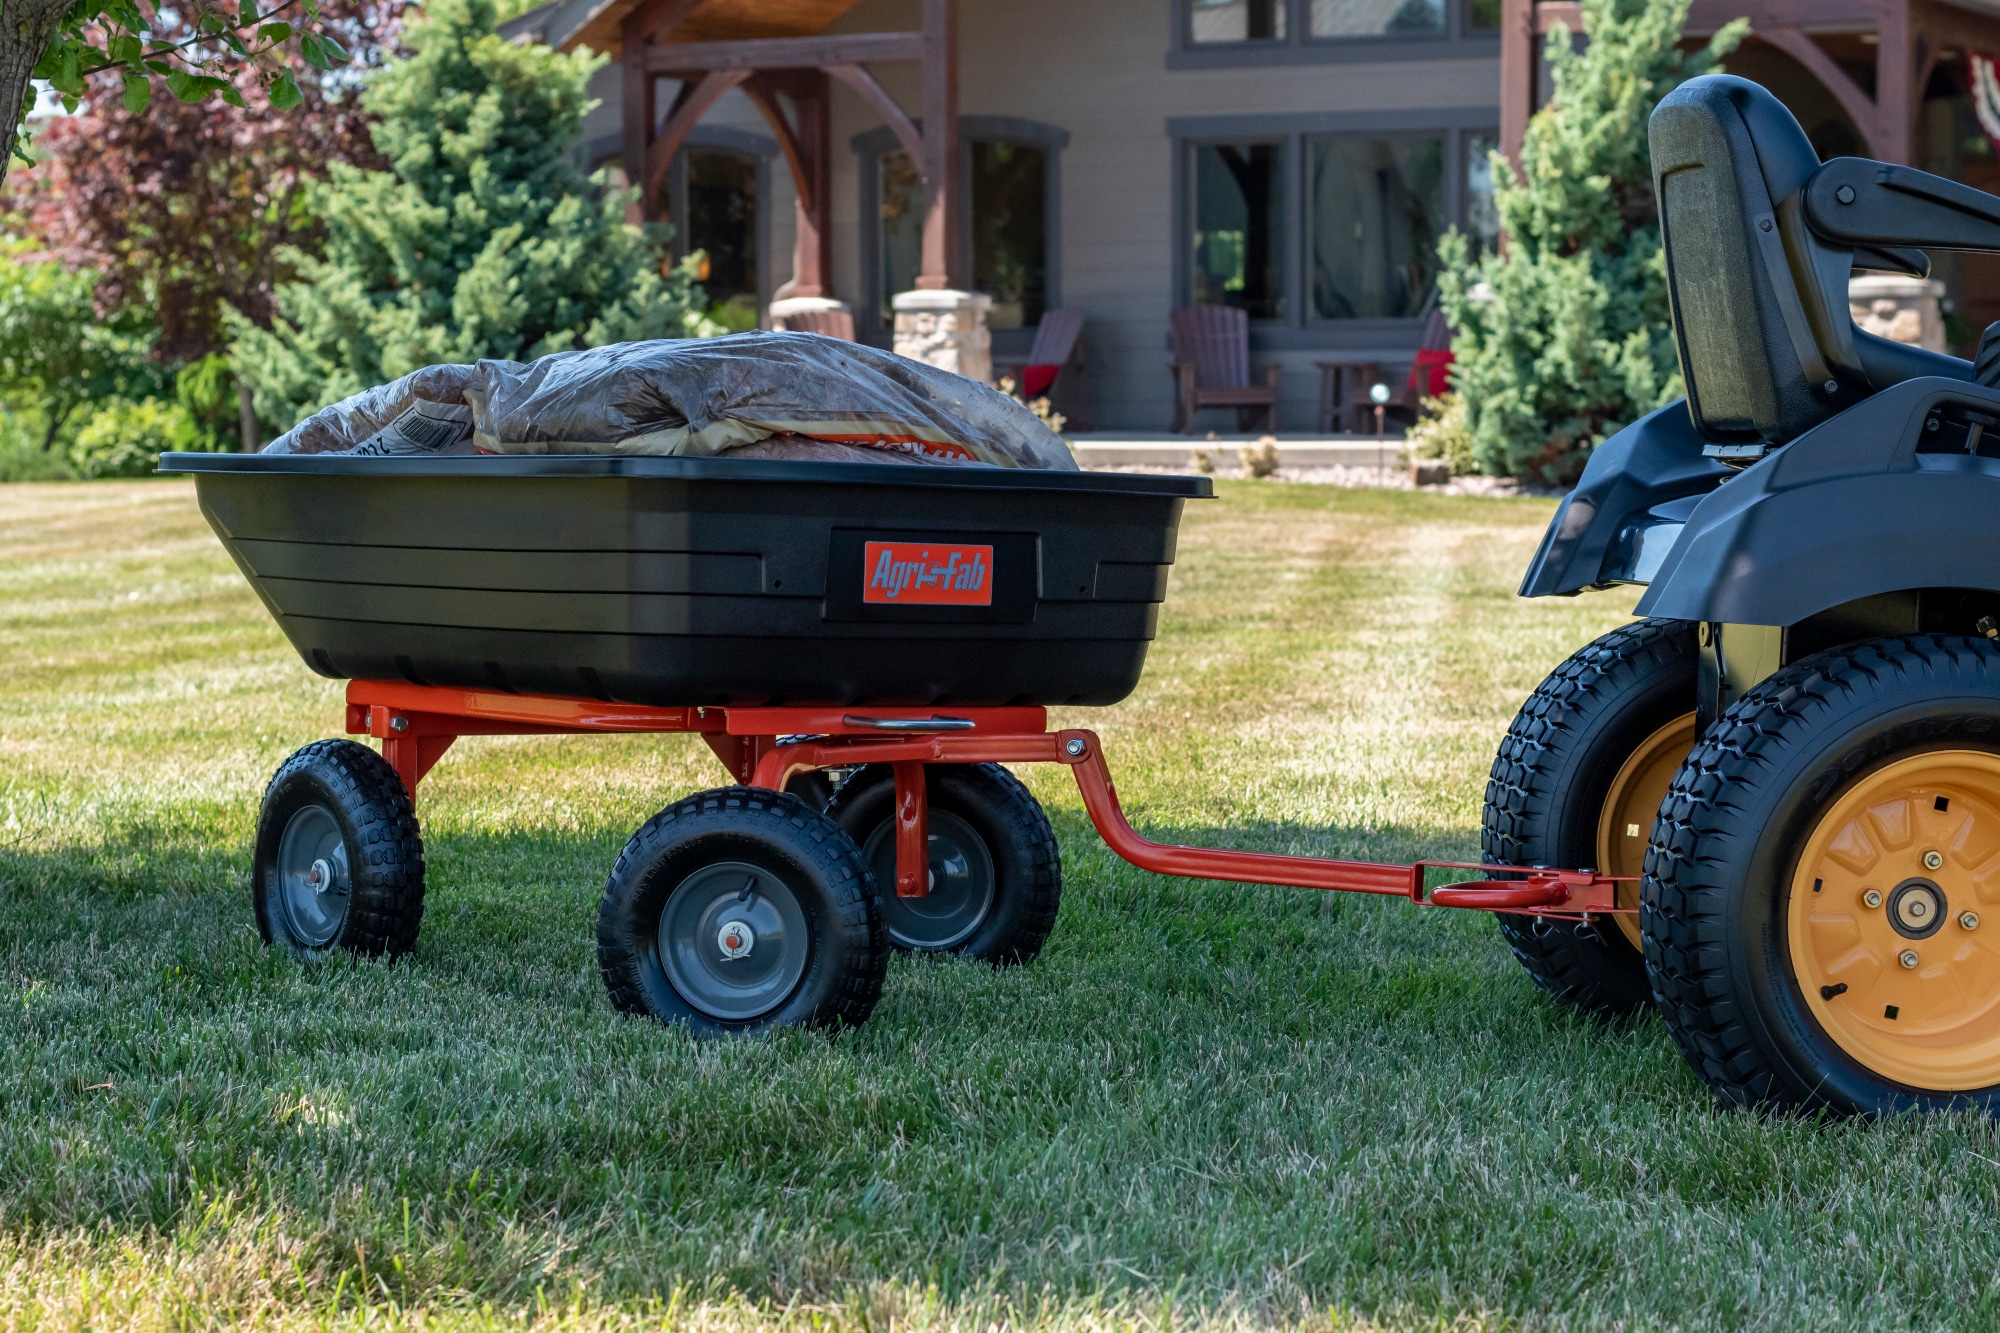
(1892, 926)
(1626, 823)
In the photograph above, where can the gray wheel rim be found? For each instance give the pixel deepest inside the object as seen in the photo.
(962, 884)
(314, 887)
(734, 901)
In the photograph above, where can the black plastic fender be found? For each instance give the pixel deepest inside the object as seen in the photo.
(1637, 485)
(1848, 510)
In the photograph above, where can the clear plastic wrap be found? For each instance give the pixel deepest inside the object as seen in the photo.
(790, 395)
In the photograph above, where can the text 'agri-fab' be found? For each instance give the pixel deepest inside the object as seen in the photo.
(919, 573)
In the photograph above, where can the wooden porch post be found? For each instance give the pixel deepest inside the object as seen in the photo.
(943, 261)
(639, 93)
(807, 139)
(1517, 75)
(1895, 98)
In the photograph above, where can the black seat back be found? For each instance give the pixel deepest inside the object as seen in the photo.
(1726, 156)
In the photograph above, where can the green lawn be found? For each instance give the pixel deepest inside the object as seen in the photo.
(1205, 1105)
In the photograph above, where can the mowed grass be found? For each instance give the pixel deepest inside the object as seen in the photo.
(1204, 1106)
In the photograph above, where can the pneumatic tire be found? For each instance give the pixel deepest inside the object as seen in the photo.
(1576, 783)
(741, 910)
(1814, 888)
(996, 873)
(339, 863)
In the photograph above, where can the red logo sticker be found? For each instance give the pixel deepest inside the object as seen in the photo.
(922, 574)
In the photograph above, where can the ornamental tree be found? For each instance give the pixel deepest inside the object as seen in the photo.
(1566, 336)
(481, 239)
(198, 51)
(183, 207)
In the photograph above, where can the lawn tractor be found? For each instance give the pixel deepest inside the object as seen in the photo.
(1772, 806)
(1792, 761)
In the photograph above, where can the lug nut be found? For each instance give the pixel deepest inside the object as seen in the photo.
(1908, 958)
(1968, 920)
(1871, 898)
(1932, 860)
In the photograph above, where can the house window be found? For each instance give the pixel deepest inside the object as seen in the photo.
(900, 229)
(721, 222)
(1011, 178)
(1239, 227)
(1482, 219)
(1219, 33)
(1324, 227)
(1376, 18)
(1009, 223)
(1212, 21)
(1376, 210)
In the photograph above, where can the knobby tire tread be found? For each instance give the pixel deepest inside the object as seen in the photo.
(1591, 970)
(386, 872)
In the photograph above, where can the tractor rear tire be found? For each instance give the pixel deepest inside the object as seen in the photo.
(1576, 784)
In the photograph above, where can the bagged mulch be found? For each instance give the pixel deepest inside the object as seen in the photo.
(753, 395)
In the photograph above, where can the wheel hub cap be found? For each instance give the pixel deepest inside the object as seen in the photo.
(733, 940)
(962, 883)
(1909, 854)
(1626, 824)
(313, 881)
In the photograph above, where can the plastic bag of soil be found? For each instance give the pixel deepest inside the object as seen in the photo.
(769, 395)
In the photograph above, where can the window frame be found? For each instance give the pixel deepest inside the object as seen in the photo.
(1300, 328)
(870, 145)
(1299, 47)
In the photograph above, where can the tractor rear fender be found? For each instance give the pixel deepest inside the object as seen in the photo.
(1894, 495)
(1635, 494)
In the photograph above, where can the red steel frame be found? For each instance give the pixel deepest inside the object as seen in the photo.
(764, 747)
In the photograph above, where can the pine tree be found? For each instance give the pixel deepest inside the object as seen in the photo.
(1566, 337)
(482, 239)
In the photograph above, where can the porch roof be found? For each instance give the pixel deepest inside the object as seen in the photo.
(599, 24)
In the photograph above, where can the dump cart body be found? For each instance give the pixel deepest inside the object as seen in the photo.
(673, 581)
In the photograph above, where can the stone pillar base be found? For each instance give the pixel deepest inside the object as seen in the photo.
(782, 311)
(946, 329)
(1905, 309)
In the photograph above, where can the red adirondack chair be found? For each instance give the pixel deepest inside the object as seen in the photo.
(1053, 367)
(1212, 369)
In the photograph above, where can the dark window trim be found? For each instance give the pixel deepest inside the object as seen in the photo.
(1299, 330)
(1459, 41)
(869, 145)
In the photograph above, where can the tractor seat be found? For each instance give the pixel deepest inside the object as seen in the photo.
(1761, 239)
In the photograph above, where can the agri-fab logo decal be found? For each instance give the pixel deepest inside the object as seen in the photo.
(927, 574)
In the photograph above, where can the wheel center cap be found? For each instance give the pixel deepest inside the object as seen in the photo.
(735, 939)
(1916, 908)
(320, 878)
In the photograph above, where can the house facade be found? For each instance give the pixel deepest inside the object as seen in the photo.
(1295, 158)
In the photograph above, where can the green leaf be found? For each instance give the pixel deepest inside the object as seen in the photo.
(232, 96)
(246, 14)
(160, 66)
(210, 22)
(284, 93)
(138, 92)
(193, 87)
(335, 52)
(274, 32)
(125, 49)
(311, 51)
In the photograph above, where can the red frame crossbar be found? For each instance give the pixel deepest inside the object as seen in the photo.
(765, 747)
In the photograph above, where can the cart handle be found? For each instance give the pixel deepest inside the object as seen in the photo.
(935, 722)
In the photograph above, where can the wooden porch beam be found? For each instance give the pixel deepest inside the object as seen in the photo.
(691, 107)
(1895, 96)
(862, 82)
(1860, 108)
(785, 52)
(1707, 16)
